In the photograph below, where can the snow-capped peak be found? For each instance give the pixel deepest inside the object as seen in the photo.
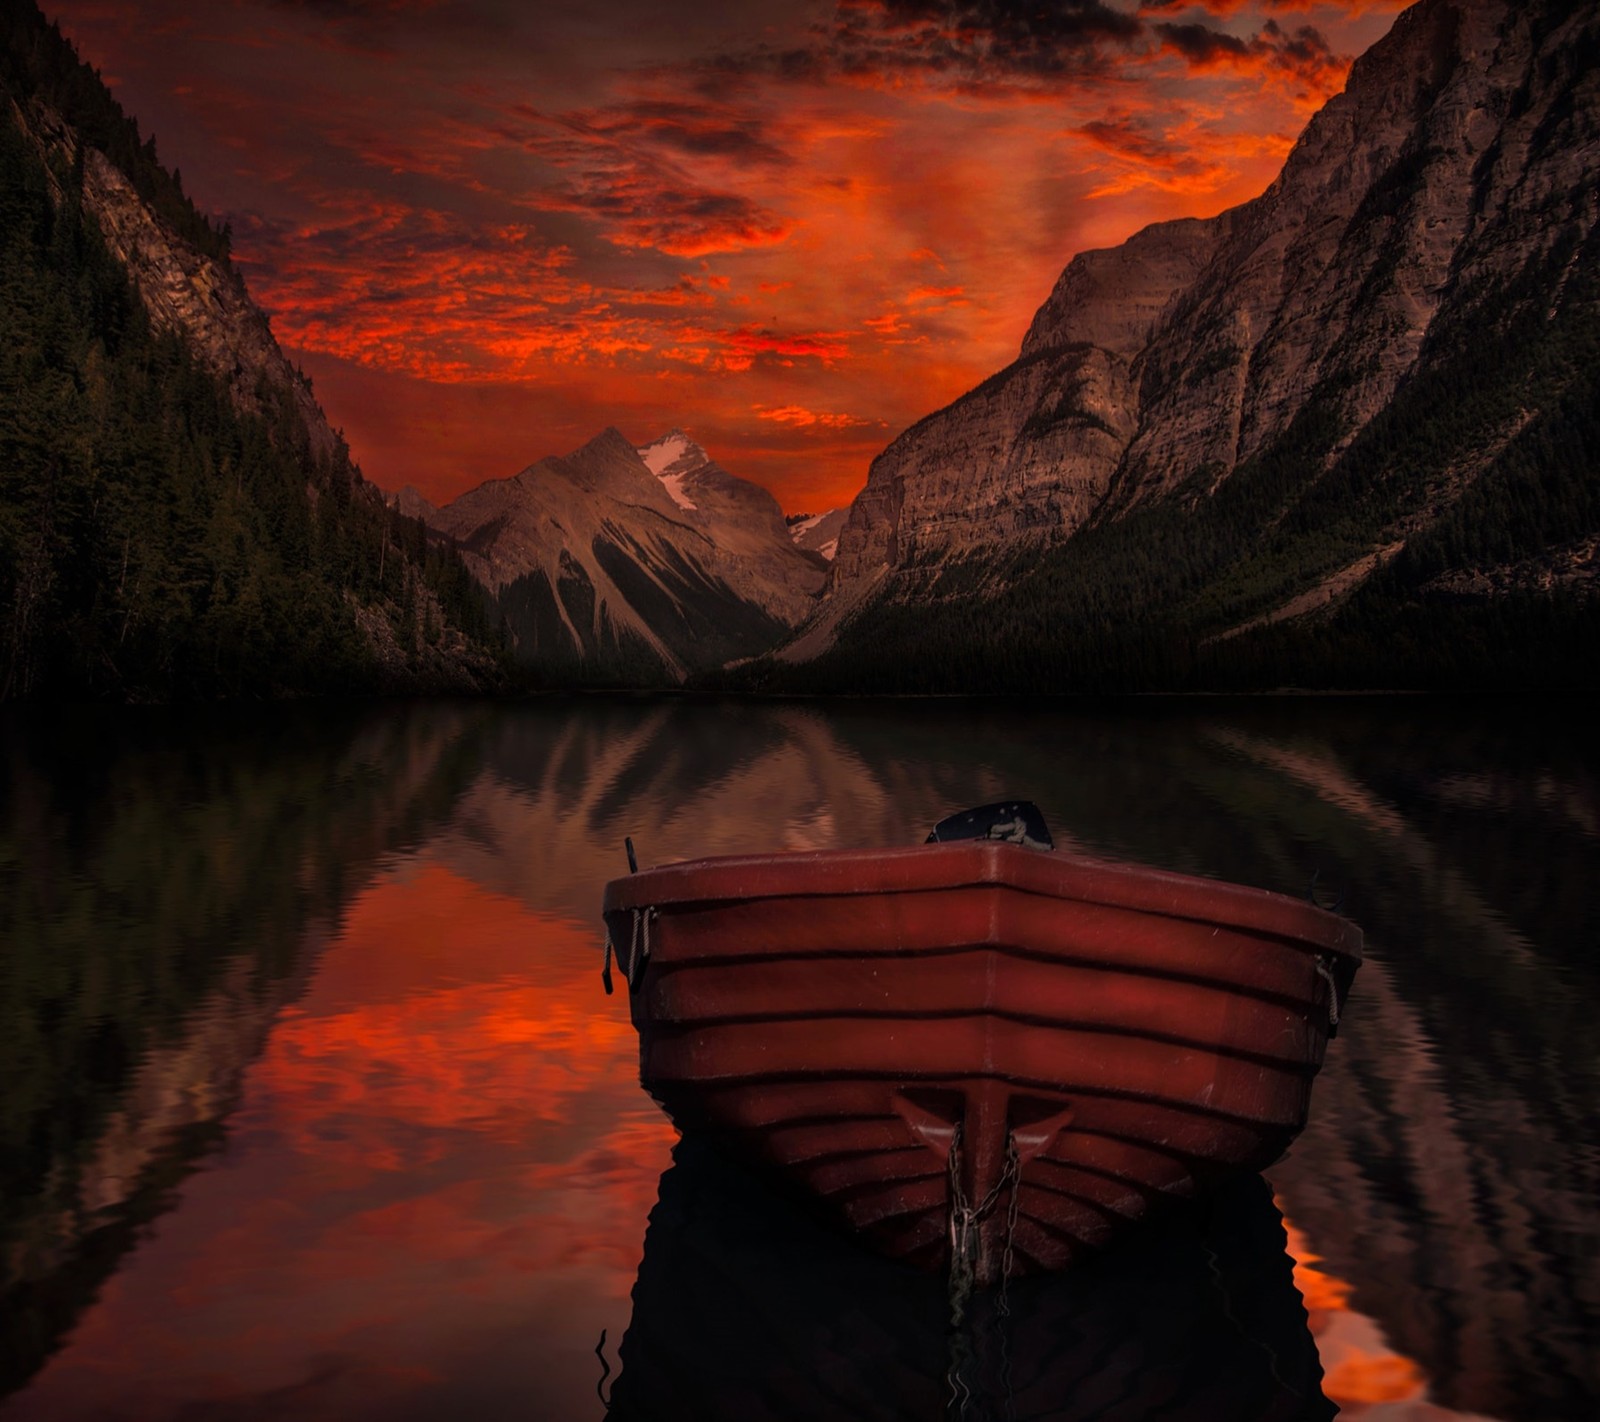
(671, 459)
(818, 533)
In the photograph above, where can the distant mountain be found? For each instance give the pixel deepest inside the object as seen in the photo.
(410, 503)
(818, 532)
(1344, 435)
(177, 517)
(624, 564)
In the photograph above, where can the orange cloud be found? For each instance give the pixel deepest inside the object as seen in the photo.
(454, 209)
(1183, 159)
(801, 418)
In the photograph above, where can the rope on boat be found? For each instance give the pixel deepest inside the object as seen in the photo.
(638, 949)
(639, 945)
(1325, 972)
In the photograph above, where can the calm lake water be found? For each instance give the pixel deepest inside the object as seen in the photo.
(312, 1105)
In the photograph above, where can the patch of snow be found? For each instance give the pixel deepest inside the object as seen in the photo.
(673, 484)
(829, 548)
(664, 457)
(797, 531)
(665, 452)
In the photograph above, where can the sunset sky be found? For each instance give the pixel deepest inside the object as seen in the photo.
(489, 228)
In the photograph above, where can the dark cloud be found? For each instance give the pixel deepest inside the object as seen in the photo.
(655, 172)
(1202, 45)
(1304, 57)
(699, 129)
(1132, 140)
(358, 9)
(961, 43)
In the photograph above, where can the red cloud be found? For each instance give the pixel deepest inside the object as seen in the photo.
(453, 207)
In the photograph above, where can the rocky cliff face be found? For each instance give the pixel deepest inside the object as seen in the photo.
(185, 291)
(1462, 152)
(1032, 450)
(628, 562)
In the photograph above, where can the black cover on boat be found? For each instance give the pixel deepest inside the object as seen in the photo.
(1015, 821)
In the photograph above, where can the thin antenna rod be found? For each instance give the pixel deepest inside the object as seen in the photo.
(633, 863)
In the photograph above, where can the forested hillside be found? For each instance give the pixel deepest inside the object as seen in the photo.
(157, 540)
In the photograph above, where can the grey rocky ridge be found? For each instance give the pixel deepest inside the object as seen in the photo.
(1343, 434)
(632, 564)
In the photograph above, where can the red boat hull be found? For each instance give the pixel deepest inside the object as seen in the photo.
(1038, 1045)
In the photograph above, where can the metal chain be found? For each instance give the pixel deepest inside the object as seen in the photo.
(966, 1218)
(1008, 1258)
(963, 1220)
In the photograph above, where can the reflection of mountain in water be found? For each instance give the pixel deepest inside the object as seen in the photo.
(169, 887)
(747, 1309)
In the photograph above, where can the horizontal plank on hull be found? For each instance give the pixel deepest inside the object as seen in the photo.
(1114, 1156)
(1064, 1061)
(912, 1161)
(870, 1149)
(1045, 1192)
(913, 870)
(803, 1104)
(1023, 925)
(984, 980)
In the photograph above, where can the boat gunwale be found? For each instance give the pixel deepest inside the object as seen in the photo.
(1306, 1064)
(659, 1084)
(679, 962)
(977, 864)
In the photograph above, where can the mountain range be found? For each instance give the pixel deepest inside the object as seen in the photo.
(631, 564)
(1342, 435)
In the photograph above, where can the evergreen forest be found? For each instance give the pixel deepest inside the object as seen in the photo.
(158, 543)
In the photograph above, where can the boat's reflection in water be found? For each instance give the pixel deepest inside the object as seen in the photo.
(747, 1308)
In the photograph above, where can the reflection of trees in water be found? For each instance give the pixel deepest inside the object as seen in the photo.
(746, 1308)
(169, 882)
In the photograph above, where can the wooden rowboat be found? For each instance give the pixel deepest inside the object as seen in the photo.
(976, 1054)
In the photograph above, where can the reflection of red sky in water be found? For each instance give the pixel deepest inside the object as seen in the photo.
(1361, 1372)
(435, 1188)
(441, 1168)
